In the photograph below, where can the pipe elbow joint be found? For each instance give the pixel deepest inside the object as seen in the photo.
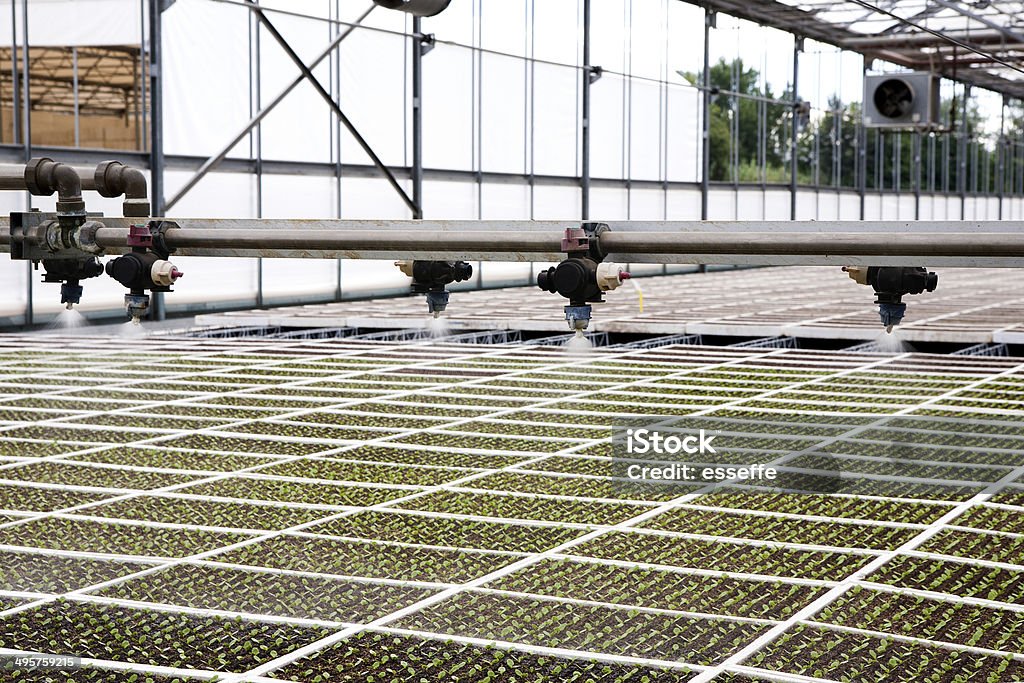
(113, 179)
(44, 176)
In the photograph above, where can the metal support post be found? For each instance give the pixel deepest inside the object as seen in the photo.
(798, 46)
(418, 47)
(587, 82)
(962, 155)
(156, 133)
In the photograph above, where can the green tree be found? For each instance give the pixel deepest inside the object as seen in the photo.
(736, 120)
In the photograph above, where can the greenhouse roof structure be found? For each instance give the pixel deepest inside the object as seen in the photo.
(980, 43)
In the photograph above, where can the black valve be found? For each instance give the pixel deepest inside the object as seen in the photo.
(144, 268)
(431, 278)
(575, 279)
(582, 277)
(891, 284)
(133, 270)
(901, 281)
(70, 272)
(428, 276)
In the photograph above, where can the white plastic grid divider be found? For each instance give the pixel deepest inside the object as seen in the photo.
(505, 571)
(942, 597)
(973, 561)
(943, 644)
(158, 568)
(833, 594)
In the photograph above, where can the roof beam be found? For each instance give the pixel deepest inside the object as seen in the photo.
(983, 20)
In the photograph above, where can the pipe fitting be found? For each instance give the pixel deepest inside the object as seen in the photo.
(610, 276)
(113, 179)
(84, 238)
(164, 273)
(44, 176)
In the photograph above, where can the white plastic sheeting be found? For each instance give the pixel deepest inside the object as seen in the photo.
(483, 112)
(76, 22)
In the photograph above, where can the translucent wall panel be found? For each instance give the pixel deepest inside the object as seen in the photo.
(449, 132)
(206, 76)
(993, 208)
(371, 198)
(722, 204)
(556, 202)
(828, 205)
(609, 26)
(648, 39)
(555, 25)
(304, 109)
(374, 96)
(904, 208)
(13, 274)
(750, 206)
(609, 203)
(13, 278)
(505, 200)
(295, 277)
(776, 205)
(504, 115)
(849, 206)
(372, 278)
(505, 26)
(218, 195)
(889, 207)
(450, 199)
(646, 141)
(970, 209)
(872, 207)
(1013, 208)
(806, 206)
(555, 129)
(646, 204)
(608, 127)
(926, 208)
(683, 205)
(97, 22)
(683, 134)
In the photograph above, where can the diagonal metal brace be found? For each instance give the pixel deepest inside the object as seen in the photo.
(216, 160)
(334, 107)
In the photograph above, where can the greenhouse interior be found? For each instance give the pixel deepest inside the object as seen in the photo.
(512, 341)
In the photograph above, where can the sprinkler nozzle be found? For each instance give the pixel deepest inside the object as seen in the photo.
(437, 302)
(891, 314)
(137, 305)
(71, 293)
(578, 317)
(431, 278)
